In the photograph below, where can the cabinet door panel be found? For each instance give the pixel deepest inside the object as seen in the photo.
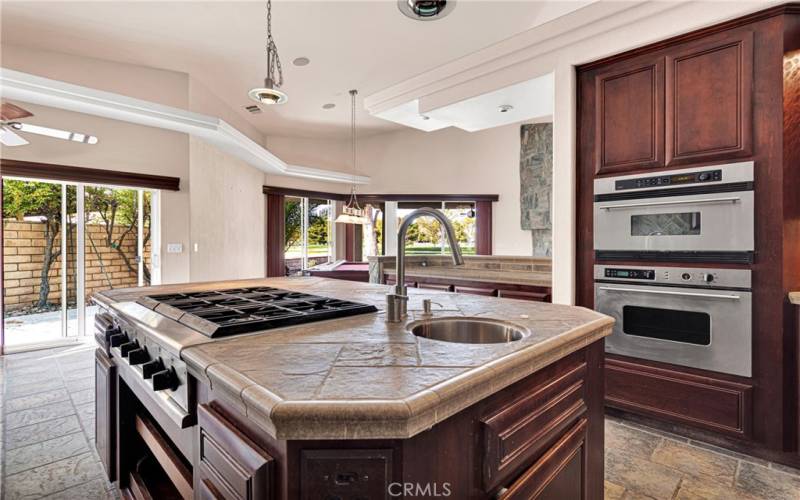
(230, 465)
(709, 99)
(105, 411)
(630, 117)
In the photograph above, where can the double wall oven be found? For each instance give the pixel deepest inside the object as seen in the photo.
(652, 234)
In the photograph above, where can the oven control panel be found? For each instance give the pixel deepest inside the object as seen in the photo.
(669, 180)
(675, 276)
(630, 274)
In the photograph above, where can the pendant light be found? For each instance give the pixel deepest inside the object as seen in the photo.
(352, 213)
(270, 93)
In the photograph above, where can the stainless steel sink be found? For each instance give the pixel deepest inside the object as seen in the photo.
(468, 330)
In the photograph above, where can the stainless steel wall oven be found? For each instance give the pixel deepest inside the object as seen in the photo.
(696, 317)
(688, 215)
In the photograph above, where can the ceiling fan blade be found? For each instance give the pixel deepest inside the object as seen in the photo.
(10, 138)
(10, 111)
(55, 133)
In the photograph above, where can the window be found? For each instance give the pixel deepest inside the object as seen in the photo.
(309, 240)
(425, 235)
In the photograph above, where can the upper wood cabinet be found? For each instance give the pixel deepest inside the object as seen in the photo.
(710, 99)
(629, 105)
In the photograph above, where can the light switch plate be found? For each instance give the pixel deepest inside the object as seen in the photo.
(174, 247)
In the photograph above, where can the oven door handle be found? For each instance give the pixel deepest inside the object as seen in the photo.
(729, 199)
(664, 292)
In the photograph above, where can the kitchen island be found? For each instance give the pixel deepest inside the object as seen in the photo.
(352, 407)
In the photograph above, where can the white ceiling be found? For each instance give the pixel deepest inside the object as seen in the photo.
(367, 45)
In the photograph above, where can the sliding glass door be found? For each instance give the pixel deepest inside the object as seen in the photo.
(62, 243)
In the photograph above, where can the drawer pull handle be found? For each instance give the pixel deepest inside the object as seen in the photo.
(345, 478)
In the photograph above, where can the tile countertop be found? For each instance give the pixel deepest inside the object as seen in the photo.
(794, 298)
(363, 378)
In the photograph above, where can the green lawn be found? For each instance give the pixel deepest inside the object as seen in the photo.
(296, 251)
(435, 250)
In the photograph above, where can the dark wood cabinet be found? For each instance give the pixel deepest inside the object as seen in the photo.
(730, 94)
(473, 290)
(105, 374)
(504, 290)
(630, 116)
(346, 474)
(230, 465)
(709, 100)
(558, 475)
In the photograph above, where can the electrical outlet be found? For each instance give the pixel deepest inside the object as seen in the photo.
(174, 247)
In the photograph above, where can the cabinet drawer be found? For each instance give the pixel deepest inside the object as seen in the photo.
(231, 466)
(519, 295)
(522, 430)
(488, 292)
(435, 286)
(560, 474)
(709, 403)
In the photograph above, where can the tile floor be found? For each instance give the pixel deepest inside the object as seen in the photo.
(47, 445)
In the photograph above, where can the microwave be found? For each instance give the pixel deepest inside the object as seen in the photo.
(700, 214)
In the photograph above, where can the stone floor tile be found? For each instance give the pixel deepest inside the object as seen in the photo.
(641, 476)
(82, 396)
(613, 491)
(762, 482)
(93, 490)
(730, 453)
(696, 461)
(53, 477)
(630, 440)
(77, 373)
(785, 468)
(693, 488)
(34, 400)
(36, 433)
(52, 450)
(39, 414)
(15, 390)
(80, 384)
(85, 411)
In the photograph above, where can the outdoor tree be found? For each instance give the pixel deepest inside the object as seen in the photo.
(292, 220)
(117, 210)
(42, 200)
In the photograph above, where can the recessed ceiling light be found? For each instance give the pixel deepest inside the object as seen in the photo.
(301, 61)
(426, 10)
(329, 105)
(505, 108)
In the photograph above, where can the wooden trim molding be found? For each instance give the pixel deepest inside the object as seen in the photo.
(483, 228)
(49, 171)
(275, 235)
(368, 198)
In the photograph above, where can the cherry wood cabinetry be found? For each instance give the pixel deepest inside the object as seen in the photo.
(709, 99)
(730, 93)
(539, 438)
(630, 116)
(105, 410)
(505, 290)
(229, 465)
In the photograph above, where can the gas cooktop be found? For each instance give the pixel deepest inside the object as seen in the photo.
(218, 313)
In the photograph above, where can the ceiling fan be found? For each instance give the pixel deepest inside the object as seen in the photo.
(9, 126)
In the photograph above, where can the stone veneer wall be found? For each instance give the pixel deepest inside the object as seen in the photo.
(23, 257)
(536, 184)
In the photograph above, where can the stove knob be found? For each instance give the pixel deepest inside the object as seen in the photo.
(124, 349)
(118, 339)
(138, 356)
(151, 367)
(708, 278)
(165, 379)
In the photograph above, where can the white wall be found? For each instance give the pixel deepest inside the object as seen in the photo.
(227, 216)
(219, 205)
(449, 161)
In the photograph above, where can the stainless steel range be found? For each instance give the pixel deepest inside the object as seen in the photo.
(697, 317)
(140, 346)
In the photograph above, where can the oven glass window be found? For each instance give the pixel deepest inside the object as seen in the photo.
(677, 224)
(667, 324)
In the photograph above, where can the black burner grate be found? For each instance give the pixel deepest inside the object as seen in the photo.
(241, 310)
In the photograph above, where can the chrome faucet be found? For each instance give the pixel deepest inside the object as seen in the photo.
(397, 302)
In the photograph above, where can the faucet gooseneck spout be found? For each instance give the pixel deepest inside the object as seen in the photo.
(397, 302)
